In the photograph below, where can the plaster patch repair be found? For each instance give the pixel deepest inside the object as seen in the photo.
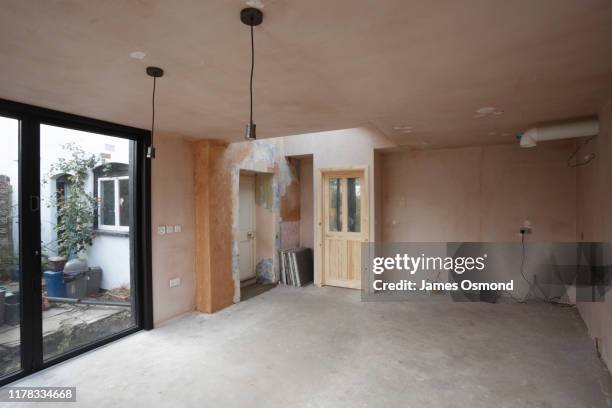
(265, 158)
(264, 271)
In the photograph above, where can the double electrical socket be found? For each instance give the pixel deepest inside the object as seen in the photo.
(169, 229)
(174, 282)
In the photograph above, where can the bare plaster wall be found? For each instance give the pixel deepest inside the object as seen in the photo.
(594, 218)
(290, 205)
(172, 197)
(265, 230)
(217, 175)
(306, 204)
(338, 149)
(479, 193)
(216, 179)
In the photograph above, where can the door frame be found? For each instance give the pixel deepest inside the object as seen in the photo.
(253, 226)
(30, 119)
(319, 270)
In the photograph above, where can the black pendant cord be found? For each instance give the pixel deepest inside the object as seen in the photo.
(252, 69)
(155, 73)
(153, 114)
(252, 17)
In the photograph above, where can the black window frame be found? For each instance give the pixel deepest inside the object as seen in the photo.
(30, 120)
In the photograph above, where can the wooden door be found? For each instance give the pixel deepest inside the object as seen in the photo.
(246, 226)
(345, 227)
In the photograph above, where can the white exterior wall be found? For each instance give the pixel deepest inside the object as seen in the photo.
(110, 252)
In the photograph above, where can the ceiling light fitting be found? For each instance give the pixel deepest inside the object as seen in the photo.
(139, 55)
(486, 111)
(402, 128)
(155, 73)
(252, 17)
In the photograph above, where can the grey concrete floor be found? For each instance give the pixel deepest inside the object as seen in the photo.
(323, 347)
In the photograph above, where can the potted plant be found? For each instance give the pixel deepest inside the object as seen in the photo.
(75, 207)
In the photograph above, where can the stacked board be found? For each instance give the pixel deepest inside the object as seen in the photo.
(296, 266)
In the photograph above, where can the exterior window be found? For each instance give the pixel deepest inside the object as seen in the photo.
(114, 203)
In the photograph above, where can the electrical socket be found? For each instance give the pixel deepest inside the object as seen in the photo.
(161, 230)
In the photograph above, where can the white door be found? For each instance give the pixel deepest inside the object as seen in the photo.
(246, 225)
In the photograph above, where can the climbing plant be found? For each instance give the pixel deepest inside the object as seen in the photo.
(75, 209)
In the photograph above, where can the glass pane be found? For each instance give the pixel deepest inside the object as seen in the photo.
(107, 202)
(81, 261)
(335, 204)
(124, 202)
(10, 321)
(354, 204)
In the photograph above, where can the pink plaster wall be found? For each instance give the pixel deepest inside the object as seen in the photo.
(479, 193)
(306, 203)
(594, 218)
(265, 231)
(173, 203)
(338, 149)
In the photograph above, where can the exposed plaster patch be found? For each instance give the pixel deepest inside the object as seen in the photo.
(263, 157)
(264, 271)
(264, 191)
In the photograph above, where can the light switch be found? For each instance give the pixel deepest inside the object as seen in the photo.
(178, 228)
(161, 230)
(175, 282)
(169, 229)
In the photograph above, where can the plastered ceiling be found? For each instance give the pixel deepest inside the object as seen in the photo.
(320, 64)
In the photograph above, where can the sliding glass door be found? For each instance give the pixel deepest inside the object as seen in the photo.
(10, 284)
(74, 236)
(86, 223)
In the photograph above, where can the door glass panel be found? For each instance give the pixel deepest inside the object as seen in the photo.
(10, 321)
(87, 265)
(354, 204)
(335, 204)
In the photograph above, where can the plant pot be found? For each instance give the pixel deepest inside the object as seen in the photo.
(57, 263)
(2, 294)
(11, 309)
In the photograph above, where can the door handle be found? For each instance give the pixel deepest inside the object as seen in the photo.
(250, 235)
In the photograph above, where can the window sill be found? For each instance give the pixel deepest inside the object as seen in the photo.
(110, 233)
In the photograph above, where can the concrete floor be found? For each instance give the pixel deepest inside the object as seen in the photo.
(322, 347)
(253, 290)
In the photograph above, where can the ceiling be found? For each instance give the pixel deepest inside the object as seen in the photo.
(320, 64)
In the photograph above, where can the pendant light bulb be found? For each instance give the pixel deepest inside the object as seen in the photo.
(155, 73)
(251, 17)
(250, 133)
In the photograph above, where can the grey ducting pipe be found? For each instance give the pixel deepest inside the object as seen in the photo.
(582, 128)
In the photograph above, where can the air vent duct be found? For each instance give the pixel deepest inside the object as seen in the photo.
(582, 128)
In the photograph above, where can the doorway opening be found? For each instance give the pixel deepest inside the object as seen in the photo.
(256, 233)
(297, 223)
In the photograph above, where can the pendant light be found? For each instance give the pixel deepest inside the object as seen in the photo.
(155, 73)
(252, 17)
